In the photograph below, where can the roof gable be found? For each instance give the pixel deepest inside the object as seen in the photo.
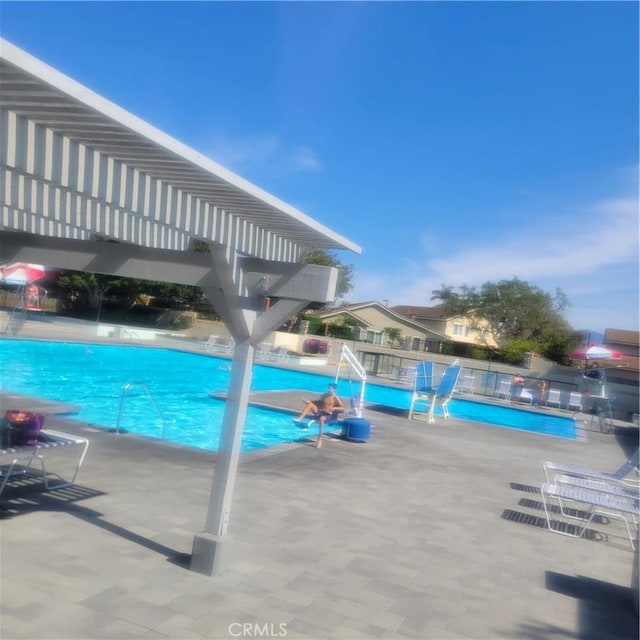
(423, 313)
(353, 311)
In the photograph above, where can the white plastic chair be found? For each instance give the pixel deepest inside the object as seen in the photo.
(575, 401)
(525, 396)
(281, 355)
(553, 398)
(263, 351)
(211, 340)
(225, 348)
(503, 390)
(467, 384)
(407, 375)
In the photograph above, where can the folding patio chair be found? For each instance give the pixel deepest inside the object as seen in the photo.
(441, 394)
(422, 385)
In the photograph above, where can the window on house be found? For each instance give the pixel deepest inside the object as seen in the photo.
(374, 337)
(461, 330)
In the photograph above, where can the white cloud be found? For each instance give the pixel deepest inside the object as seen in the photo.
(592, 256)
(605, 235)
(301, 158)
(265, 152)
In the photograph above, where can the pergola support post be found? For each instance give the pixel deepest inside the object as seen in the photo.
(209, 555)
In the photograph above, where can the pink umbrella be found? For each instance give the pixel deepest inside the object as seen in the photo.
(595, 352)
(22, 273)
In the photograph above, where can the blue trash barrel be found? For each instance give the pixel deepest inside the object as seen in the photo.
(356, 429)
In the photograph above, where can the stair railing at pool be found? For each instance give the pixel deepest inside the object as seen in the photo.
(123, 396)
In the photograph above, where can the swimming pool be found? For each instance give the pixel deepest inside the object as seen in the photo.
(92, 377)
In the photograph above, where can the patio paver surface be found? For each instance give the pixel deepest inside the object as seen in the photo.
(425, 531)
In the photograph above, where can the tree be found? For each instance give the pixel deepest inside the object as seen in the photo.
(514, 310)
(83, 292)
(394, 334)
(83, 289)
(328, 259)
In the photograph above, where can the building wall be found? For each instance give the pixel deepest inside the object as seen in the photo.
(447, 327)
(462, 330)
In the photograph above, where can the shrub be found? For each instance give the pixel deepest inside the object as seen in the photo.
(513, 351)
(181, 322)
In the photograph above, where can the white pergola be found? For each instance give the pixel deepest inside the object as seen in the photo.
(76, 169)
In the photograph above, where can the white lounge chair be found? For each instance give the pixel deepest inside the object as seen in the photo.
(18, 461)
(407, 375)
(263, 351)
(280, 355)
(331, 421)
(592, 484)
(620, 475)
(525, 397)
(210, 342)
(220, 347)
(466, 384)
(553, 398)
(596, 502)
(503, 390)
(575, 401)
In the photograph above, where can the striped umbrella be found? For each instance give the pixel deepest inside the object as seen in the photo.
(22, 273)
(595, 352)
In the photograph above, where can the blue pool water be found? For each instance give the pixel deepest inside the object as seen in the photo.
(92, 377)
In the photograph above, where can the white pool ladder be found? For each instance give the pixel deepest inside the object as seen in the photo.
(123, 396)
(348, 359)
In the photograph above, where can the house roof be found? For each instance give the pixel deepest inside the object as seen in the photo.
(352, 310)
(422, 313)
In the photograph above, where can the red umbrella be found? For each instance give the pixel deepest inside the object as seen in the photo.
(595, 352)
(22, 273)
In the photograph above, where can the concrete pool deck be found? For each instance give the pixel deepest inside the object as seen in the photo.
(425, 531)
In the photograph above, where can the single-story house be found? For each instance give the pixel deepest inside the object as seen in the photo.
(369, 320)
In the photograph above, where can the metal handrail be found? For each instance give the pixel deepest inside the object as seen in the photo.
(126, 388)
(347, 356)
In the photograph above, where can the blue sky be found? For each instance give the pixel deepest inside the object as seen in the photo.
(456, 142)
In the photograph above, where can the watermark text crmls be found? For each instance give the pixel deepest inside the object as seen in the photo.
(258, 629)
